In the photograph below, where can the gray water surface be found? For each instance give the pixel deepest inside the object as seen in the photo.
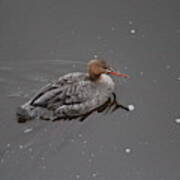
(42, 40)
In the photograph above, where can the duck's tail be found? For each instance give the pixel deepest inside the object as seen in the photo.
(28, 112)
(24, 113)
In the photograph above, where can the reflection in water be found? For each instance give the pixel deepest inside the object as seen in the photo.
(111, 105)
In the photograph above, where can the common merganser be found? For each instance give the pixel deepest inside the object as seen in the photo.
(74, 95)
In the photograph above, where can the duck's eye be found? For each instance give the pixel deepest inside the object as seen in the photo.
(106, 67)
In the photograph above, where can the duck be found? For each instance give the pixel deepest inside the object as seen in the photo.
(74, 95)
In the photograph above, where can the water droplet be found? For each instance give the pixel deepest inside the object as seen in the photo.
(8, 145)
(27, 130)
(94, 175)
(177, 120)
(77, 176)
(95, 56)
(133, 31)
(84, 142)
(131, 107)
(21, 146)
(128, 150)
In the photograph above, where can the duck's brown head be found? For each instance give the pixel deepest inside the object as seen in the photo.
(96, 67)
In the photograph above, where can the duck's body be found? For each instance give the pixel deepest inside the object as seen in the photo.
(73, 95)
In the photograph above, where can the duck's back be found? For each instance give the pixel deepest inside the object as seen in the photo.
(73, 94)
(61, 91)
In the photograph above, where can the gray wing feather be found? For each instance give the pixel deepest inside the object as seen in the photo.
(64, 91)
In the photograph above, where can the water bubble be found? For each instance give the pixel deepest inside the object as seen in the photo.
(94, 175)
(95, 56)
(128, 150)
(132, 31)
(78, 176)
(21, 146)
(8, 145)
(177, 120)
(28, 130)
(131, 107)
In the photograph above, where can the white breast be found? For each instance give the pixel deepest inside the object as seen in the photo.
(106, 83)
(107, 80)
